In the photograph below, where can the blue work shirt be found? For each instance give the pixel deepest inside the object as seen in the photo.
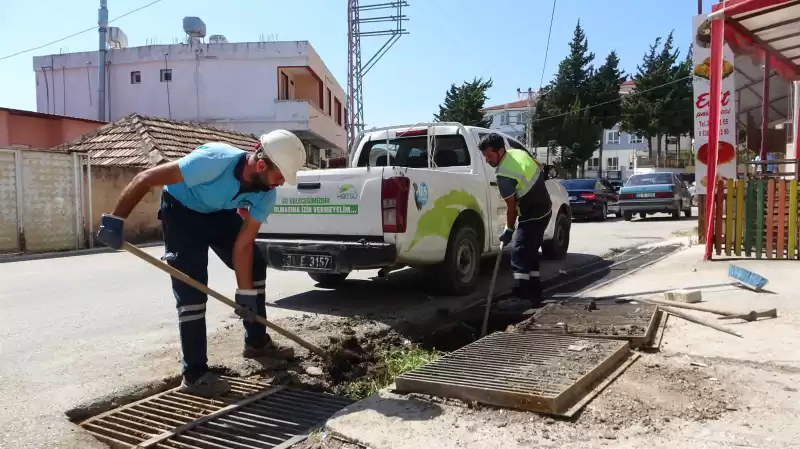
(211, 183)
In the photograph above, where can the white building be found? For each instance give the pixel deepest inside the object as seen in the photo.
(509, 118)
(250, 87)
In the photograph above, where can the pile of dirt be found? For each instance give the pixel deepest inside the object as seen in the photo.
(352, 357)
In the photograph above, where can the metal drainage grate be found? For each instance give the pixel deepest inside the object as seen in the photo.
(636, 323)
(536, 372)
(252, 415)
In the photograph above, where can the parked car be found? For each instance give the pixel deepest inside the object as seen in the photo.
(413, 195)
(653, 193)
(693, 192)
(592, 198)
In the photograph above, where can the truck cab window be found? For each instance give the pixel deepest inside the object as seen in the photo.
(412, 152)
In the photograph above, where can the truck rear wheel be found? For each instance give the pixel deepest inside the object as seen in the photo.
(557, 247)
(328, 280)
(459, 272)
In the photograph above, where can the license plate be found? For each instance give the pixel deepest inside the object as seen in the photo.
(573, 198)
(645, 195)
(308, 262)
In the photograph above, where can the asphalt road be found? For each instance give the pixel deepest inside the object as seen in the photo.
(74, 329)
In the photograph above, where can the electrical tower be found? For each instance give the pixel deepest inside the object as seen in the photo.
(356, 69)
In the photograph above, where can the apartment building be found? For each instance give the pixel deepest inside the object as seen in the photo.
(248, 87)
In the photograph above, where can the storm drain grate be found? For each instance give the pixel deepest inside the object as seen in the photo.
(636, 323)
(537, 372)
(252, 415)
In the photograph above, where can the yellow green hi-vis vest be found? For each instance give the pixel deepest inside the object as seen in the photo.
(533, 200)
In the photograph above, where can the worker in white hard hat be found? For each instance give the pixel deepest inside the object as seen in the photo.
(215, 197)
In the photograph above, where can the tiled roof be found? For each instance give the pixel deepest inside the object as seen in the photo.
(148, 141)
(513, 105)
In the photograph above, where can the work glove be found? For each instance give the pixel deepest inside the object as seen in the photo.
(505, 237)
(110, 232)
(248, 302)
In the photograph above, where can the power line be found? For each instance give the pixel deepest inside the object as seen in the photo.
(79, 32)
(614, 101)
(547, 48)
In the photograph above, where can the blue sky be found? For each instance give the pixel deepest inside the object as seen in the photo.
(449, 41)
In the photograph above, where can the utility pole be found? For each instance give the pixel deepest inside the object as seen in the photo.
(355, 68)
(102, 28)
(528, 95)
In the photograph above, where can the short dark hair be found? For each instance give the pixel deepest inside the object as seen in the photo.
(494, 141)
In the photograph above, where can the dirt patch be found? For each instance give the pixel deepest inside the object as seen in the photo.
(323, 440)
(652, 393)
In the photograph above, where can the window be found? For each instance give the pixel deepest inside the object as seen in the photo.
(594, 163)
(579, 184)
(412, 152)
(612, 163)
(284, 86)
(136, 77)
(337, 107)
(636, 139)
(328, 104)
(166, 75)
(650, 179)
(522, 118)
(504, 118)
(516, 145)
(612, 137)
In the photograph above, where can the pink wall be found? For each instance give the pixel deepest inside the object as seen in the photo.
(40, 130)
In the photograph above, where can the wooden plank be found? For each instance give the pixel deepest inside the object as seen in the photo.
(718, 208)
(770, 212)
(729, 202)
(740, 214)
(779, 250)
(749, 217)
(759, 234)
(792, 218)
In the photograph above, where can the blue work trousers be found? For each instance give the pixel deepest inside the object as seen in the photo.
(525, 258)
(188, 235)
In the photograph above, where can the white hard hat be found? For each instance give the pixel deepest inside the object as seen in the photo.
(286, 151)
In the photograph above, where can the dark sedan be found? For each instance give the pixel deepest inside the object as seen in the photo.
(592, 198)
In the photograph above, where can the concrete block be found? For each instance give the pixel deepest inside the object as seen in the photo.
(689, 296)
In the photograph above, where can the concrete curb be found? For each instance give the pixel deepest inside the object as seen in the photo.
(77, 252)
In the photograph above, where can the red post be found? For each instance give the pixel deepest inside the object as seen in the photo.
(715, 77)
(765, 106)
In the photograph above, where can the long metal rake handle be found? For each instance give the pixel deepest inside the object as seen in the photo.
(485, 325)
(177, 274)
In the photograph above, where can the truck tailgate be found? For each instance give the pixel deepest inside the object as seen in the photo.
(340, 202)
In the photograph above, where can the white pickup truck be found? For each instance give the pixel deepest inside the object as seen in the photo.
(419, 195)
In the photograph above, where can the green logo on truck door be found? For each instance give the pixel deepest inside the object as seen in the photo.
(439, 219)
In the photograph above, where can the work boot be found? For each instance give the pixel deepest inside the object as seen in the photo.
(268, 350)
(209, 385)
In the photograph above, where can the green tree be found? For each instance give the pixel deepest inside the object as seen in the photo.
(679, 108)
(464, 104)
(607, 108)
(639, 108)
(583, 143)
(555, 117)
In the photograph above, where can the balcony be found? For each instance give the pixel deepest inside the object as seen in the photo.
(309, 123)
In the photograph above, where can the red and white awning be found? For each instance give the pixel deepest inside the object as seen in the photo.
(764, 27)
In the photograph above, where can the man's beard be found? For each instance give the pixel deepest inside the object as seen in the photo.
(258, 183)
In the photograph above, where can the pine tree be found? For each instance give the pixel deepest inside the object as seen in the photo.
(464, 104)
(555, 117)
(639, 107)
(606, 97)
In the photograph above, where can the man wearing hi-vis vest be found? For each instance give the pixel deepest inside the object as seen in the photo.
(521, 183)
